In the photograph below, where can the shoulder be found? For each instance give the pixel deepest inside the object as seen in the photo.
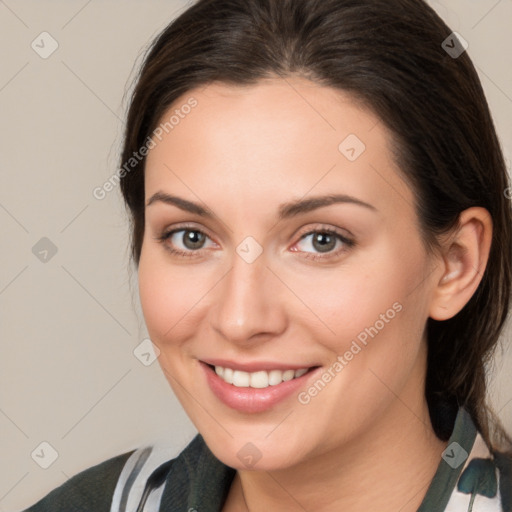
(89, 490)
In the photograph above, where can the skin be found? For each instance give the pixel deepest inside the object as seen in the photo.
(364, 442)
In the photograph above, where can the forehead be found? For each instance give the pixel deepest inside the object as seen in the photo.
(277, 138)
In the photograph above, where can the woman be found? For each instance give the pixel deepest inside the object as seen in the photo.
(322, 234)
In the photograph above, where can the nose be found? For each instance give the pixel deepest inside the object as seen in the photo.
(249, 303)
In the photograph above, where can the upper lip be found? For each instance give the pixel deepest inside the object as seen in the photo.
(255, 366)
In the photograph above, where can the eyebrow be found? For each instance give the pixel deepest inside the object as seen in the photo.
(285, 211)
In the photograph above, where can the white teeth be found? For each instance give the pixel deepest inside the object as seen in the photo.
(288, 375)
(275, 377)
(227, 375)
(241, 379)
(260, 379)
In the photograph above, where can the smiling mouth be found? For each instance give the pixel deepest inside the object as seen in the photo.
(260, 379)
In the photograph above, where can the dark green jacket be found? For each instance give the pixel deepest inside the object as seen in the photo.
(468, 479)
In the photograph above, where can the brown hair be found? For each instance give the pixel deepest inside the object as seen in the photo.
(389, 55)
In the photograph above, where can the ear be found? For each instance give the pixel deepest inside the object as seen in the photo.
(465, 253)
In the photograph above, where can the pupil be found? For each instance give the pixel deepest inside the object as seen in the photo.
(194, 238)
(323, 237)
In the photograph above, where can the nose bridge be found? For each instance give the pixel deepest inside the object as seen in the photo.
(248, 301)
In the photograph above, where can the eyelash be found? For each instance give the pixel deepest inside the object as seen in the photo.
(348, 243)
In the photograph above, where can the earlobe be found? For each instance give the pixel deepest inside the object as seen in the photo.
(464, 257)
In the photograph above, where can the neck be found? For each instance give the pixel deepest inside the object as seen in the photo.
(389, 468)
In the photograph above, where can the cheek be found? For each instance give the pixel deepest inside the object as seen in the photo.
(378, 318)
(172, 297)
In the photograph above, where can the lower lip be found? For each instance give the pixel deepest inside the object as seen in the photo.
(252, 400)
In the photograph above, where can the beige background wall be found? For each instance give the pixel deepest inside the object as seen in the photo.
(68, 326)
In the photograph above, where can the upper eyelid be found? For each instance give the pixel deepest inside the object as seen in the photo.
(344, 233)
(320, 227)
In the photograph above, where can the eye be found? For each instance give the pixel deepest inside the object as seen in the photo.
(184, 241)
(188, 241)
(327, 241)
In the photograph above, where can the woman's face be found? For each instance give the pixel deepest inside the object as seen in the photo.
(271, 276)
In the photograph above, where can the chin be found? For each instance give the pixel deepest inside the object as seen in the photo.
(251, 453)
